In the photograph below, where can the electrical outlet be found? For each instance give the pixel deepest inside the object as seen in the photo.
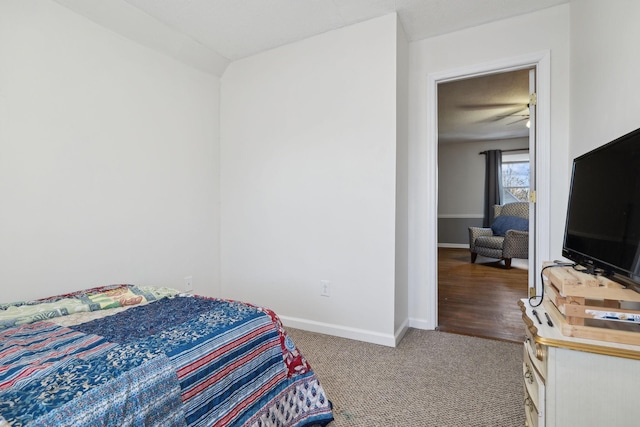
(188, 284)
(325, 288)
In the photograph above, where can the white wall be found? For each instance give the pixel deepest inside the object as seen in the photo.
(402, 184)
(308, 180)
(109, 159)
(523, 35)
(605, 92)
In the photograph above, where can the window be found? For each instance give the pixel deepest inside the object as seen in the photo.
(515, 177)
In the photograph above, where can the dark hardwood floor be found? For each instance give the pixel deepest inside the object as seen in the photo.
(480, 299)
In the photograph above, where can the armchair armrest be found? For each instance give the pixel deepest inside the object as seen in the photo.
(474, 233)
(516, 244)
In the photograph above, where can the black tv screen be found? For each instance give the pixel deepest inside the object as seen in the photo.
(602, 230)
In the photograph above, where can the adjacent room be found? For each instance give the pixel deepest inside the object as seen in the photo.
(484, 127)
(284, 161)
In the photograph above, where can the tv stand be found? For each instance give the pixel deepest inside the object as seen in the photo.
(634, 287)
(594, 271)
(627, 283)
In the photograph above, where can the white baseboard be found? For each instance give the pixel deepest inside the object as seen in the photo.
(401, 331)
(454, 245)
(421, 324)
(344, 331)
(355, 333)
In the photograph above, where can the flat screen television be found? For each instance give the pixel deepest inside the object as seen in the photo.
(602, 231)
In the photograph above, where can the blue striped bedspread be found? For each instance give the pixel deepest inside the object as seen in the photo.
(183, 361)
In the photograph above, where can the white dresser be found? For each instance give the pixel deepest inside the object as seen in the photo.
(577, 382)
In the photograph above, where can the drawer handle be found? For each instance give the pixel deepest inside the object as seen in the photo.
(539, 352)
(529, 403)
(529, 374)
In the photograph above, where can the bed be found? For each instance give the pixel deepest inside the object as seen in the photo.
(128, 355)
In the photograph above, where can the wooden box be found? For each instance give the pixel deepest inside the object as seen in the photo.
(592, 307)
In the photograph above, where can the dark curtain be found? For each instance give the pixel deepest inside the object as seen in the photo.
(492, 184)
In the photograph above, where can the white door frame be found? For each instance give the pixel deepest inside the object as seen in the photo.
(541, 61)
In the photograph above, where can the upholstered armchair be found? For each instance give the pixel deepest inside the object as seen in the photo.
(508, 236)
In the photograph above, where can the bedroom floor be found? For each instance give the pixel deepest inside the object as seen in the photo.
(418, 383)
(480, 299)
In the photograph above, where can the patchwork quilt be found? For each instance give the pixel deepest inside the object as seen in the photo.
(177, 361)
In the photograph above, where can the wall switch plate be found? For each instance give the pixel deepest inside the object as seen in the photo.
(188, 284)
(325, 288)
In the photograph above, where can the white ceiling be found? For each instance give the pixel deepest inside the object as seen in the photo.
(468, 110)
(240, 28)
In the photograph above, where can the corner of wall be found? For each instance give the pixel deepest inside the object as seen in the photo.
(130, 22)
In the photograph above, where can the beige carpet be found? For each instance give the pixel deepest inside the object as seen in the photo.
(431, 379)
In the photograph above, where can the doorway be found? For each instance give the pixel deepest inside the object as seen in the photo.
(541, 62)
(477, 115)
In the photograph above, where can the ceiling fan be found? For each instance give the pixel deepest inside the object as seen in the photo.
(519, 110)
(524, 117)
(493, 105)
(521, 114)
